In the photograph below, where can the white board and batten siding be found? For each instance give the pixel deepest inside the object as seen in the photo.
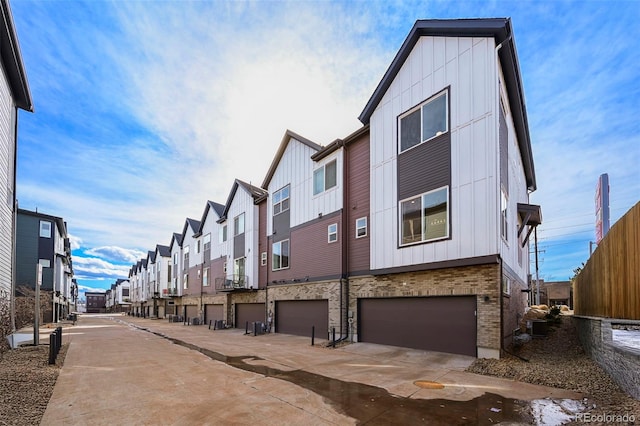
(469, 67)
(296, 168)
(7, 151)
(243, 203)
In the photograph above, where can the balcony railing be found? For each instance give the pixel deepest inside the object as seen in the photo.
(233, 282)
(169, 292)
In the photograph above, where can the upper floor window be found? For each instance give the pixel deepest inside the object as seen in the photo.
(198, 246)
(45, 229)
(424, 122)
(361, 227)
(325, 177)
(281, 200)
(280, 258)
(425, 217)
(504, 215)
(238, 224)
(332, 231)
(222, 233)
(186, 256)
(175, 258)
(207, 242)
(205, 277)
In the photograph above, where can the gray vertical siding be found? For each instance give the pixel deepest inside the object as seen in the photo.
(503, 137)
(263, 271)
(7, 152)
(281, 226)
(239, 245)
(425, 167)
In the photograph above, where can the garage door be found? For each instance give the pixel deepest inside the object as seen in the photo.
(213, 313)
(191, 311)
(298, 316)
(249, 312)
(443, 324)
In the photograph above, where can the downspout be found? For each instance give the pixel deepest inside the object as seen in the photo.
(14, 225)
(344, 280)
(499, 198)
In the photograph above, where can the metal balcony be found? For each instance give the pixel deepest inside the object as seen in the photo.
(233, 283)
(169, 292)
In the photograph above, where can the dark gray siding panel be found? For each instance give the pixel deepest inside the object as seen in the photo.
(443, 324)
(298, 316)
(263, 271)
(357, 206)
(238, 246)
(425, 167)
(281, 226)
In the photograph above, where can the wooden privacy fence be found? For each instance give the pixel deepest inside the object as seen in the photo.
(609, 284)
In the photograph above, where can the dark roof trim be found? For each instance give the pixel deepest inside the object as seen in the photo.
(338, 143)
(455, 263)
(163, 251)
(12, 60)
(175, 238)
(258, 195)
(60, 223)
(217, 208)
(288, 135)
(497, 28)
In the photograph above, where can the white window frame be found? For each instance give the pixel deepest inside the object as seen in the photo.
(360, 226)
(222, 233)
(45, 229)
(420, 107)
(332, 233)
(185, 280)
(224, 268)
(506, 285)
(322, 169)
(238, 224)
(504, 215)
(279, 200)
(207, 242)
(263, 258)
(273, 257)
(205, 277)
(422, 218)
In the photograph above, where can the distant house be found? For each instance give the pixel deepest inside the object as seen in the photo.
(96, 302)
(14, 95)
(556, 293)
(43, 239)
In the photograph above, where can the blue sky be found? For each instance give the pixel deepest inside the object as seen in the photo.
(146, 109)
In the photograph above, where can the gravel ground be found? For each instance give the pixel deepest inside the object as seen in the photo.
(559, 361)
(26, 383)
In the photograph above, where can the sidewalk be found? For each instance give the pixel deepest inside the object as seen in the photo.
(127, 365)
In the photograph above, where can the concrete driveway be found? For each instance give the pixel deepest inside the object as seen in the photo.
(126, 370)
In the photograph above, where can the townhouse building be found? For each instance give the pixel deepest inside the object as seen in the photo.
(175, 292)
(117, 297)
(42, 239)
(412, 231)
(161, 273)
(14, 95)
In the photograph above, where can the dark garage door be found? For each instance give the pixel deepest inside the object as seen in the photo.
(213, 313)
(249, 312)
(443, 324)
(191, 311)
(298, 316)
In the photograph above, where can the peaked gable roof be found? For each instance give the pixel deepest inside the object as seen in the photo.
(177, 238)
(288, 135)
(217, 208)
(496, 28)
(258, 195)
(190, 223)
(151, 256)
(163, 251)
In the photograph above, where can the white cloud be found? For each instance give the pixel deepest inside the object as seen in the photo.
(116, 254)
(85, 268)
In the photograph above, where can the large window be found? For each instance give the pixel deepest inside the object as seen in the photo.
(424, 122)
(45, 229)
(222, 233)
(238, 224)
(425, 217)
(281, 200)
(325, 177)
(207, 242)
(185, 251)
(239, 270)
(185, 280)
(280, 258)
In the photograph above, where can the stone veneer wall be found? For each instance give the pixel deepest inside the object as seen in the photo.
(326, 290)
(482, 281)
(621, 363)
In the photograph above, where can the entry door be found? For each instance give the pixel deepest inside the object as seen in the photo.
(239, 272)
